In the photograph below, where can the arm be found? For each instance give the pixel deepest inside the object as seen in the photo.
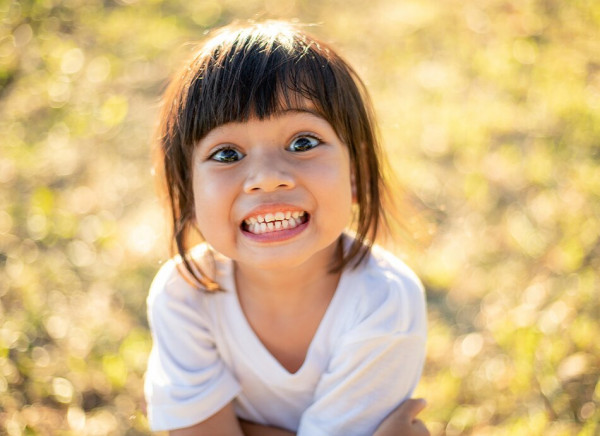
(370, 380)
(375, 364)
(186, 382)
(222, 423)
(225, 423)
(252, 429)
(403, 421)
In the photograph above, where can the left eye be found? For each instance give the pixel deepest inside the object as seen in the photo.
(227, 155)
(304, 143)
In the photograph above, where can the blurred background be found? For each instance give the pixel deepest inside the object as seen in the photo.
(490, 112)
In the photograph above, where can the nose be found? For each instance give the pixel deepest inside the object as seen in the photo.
(267, 174)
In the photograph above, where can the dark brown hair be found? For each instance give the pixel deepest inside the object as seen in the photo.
(257, 71)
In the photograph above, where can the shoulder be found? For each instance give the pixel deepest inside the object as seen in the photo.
(172, 291)
(389, 272)
(385, 296)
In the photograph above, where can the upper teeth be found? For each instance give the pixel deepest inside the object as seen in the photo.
(272, 222)
(270, 217)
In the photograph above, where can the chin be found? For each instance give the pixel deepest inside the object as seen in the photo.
(275, 263)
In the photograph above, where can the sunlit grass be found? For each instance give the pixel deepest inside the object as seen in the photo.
(490, 113)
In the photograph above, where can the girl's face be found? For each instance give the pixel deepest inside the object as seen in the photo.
(273, 193)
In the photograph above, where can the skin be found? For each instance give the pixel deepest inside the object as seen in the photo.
(401, 422)
(293, 162)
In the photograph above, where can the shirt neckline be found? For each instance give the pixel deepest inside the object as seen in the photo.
(256, 352)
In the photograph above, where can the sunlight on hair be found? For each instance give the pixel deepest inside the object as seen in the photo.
(272, 30)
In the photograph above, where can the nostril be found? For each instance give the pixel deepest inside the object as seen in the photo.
(268, 183)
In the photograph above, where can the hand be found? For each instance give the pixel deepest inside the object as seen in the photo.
(403, 421)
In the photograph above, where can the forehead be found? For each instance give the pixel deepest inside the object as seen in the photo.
(277, 122)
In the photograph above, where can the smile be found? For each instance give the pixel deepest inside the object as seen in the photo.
(274, 222)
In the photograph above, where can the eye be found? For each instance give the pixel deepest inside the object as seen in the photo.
(226, 155)
(304, 143)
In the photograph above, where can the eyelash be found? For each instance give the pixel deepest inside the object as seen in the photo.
(306, 135)
(213, 155)
(241, 155)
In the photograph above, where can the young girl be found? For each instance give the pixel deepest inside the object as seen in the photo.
(281, 322)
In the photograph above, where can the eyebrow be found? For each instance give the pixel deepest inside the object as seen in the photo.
(298, 110)
(281, 112)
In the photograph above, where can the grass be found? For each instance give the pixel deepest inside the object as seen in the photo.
(490, 113)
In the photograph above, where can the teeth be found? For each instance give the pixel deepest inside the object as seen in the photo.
(260, 224)
(252, 220)
(271, 217)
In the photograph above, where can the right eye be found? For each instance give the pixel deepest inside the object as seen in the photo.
(227, 155)
(304, 143)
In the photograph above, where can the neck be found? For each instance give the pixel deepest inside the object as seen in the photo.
(293, 288)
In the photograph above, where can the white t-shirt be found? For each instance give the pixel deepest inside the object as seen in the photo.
(364, 360)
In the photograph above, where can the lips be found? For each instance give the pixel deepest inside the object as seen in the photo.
(260, 224)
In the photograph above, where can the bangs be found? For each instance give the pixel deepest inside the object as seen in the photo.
(258, 77)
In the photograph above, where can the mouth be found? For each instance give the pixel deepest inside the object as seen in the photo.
(274, 222)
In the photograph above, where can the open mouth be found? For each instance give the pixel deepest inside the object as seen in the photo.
(274, 222)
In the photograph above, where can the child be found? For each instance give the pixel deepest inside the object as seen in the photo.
(281, 322)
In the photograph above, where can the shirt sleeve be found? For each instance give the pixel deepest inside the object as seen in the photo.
(186, 382)
(376, 365)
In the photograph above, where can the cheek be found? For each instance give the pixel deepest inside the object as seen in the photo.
(210, 203)
(335, 187)
(343, 201)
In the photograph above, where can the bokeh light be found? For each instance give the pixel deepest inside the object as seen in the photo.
(490, 114)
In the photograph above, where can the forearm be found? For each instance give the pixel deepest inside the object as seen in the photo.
(222, 423)
(225, 423)
(252, 429)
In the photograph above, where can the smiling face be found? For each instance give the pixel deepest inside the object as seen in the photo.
(273, 193)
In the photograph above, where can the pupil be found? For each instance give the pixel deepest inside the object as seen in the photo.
(228, 155)
(303, 144)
